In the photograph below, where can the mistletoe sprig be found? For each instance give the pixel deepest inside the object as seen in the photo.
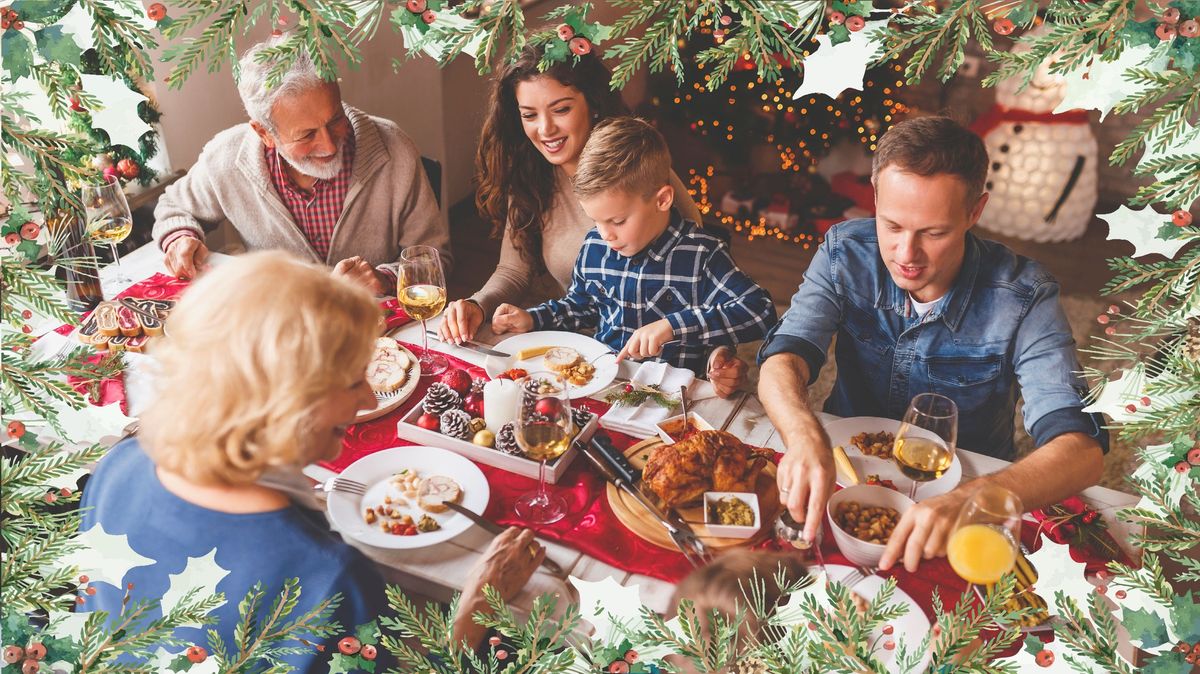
(633, 395)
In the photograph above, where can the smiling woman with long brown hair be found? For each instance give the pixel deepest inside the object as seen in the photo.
(537, 124)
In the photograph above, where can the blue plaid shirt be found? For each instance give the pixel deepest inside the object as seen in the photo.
(685, 276)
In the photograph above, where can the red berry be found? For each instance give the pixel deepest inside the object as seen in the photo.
(1183, 467)
(1101, 589)
(501, 654)
(1193, 456)
(5, 22)
(889, 645)
(937, 629)
(548, 407)
(1102, 319)
(837, 18)
(494, 641)
(196, 654)
(1110, 330)
(77, 105)
(429, 422)
(1165, 31)
(84, 579)
(888, 629)
(581, 46)
(26, 329)
(78, 600)
(13, 654)
(1145, 401)
(276, 33)
(1120, 594)
(12, 238)
(1189, 28)
(30, 667)
(618, 667)
(428, 16)
(51, 497)
(350, 645)
(1182, 647)
(1131, 408)
(1003, 26)
(156, 12)
(565, 32)
(629, 388)
(812, 626)
(718, 34)
(1181, 218)
(30, 231)
(458, 380)
(1114, 309)
(27, 314)
(631, 656)
(91, 591)
(416, 6)
(16, 429)
(368, 652)
(321, 647)
(128, 586)
(1171, 15)
(1044, 658)
(726, 20)
(18, 24)
(855, 23)
(36, 650)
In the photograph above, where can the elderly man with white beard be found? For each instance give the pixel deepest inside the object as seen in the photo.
(307, 174)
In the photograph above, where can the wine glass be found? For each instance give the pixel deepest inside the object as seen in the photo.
(924, 446)
(108, 220)
(421, 290)
(543, 432)
(984, 544)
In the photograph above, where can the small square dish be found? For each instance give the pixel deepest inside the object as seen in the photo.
(716, 501)
(673, 429)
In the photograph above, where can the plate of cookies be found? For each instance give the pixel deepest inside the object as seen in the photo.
(393, 374)
(127, 325)
(403, 505)
(586, 365)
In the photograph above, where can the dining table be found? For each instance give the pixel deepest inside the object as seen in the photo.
(437, 572)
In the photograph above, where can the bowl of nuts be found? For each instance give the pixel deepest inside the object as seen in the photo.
(864, 517)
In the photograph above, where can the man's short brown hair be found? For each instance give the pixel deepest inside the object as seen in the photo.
(623, 153)
(931, 145)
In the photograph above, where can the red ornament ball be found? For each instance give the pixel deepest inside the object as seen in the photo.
(581, 46)
(196, 654)
(30, 231)
(565, 32)
(473, 404)
(1182, 467)
(1189, 28)
(428, 16)
(349, 645)
(1171, 15)
(1003, 26)
(548, 407)
(1044, 658)
(429, 422)
(1181, 218)
(459, 380)
(36, 650)
(855, 23)
(31, 666)
(156, 12)
(13, 654)
(837, 18)
(368, 652)
(618, 667)
(129, 168)
(111, 174)
(416, 6)
(1193, 456)
(16, 429)
(1165, 31)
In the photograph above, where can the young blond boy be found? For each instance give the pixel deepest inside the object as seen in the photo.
(653, 284)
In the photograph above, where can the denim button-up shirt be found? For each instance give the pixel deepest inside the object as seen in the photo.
(999, 328)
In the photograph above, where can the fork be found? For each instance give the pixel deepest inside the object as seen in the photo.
(341, 484)
(857, 575)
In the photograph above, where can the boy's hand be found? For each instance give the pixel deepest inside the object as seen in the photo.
(648, 340)
(726, 371)
(509, 318)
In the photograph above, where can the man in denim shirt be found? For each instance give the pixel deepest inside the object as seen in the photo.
(919, 304)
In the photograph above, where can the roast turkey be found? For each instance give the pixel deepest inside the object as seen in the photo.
(705, 461)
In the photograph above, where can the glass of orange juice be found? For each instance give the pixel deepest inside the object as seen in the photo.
(984, 544)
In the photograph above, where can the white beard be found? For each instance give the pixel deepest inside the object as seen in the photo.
(320, 170)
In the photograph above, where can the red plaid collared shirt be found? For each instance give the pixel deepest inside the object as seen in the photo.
(316, 211)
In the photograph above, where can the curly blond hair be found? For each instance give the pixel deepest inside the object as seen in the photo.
(253, 348)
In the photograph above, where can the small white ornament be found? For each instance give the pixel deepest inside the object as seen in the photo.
(832, 69)
(119, 116)
(1140, 228)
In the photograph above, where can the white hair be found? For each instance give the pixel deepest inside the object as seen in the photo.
(257, 97)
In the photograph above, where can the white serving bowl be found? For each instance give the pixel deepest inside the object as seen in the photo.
(857, 550)
(698, 422)
(729, 530)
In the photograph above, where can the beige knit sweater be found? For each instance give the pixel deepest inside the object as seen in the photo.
(565, 226)
(389, 205)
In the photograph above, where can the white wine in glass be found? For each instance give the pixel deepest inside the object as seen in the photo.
(924, 446)
(543, 432)
(108, 219)
(421, 290)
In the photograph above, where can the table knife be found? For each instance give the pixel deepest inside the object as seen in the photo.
(472, 345)
(496, 530)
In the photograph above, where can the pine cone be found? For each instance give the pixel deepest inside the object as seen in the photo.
(506, 440)
(1191, 341)
(456, 424)
(441, 398)
(580, 417)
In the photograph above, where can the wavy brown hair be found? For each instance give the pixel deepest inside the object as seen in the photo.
(516, 183)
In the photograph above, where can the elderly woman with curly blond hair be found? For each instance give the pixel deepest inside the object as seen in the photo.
(263, 369)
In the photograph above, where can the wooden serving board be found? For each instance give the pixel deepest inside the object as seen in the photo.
(640, 522)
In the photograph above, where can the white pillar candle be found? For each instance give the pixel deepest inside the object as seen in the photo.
(501, 399)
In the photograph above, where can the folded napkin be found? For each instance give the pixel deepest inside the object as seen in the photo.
(640, 421)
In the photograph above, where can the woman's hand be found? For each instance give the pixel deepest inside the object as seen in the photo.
(510, 318)
(506, 565)
(462, 319)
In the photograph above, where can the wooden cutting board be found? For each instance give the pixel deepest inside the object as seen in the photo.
(642, 523)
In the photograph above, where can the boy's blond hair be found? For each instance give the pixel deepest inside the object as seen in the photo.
(623, 153)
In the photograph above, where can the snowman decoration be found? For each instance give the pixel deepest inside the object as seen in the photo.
(1043, 172)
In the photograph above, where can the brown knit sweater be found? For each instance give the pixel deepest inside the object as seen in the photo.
(390, 204)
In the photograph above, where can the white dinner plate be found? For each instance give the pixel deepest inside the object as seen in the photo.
(842, 430)
(908, 629)
(592, 351)
(376, 470)
(386, 402)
